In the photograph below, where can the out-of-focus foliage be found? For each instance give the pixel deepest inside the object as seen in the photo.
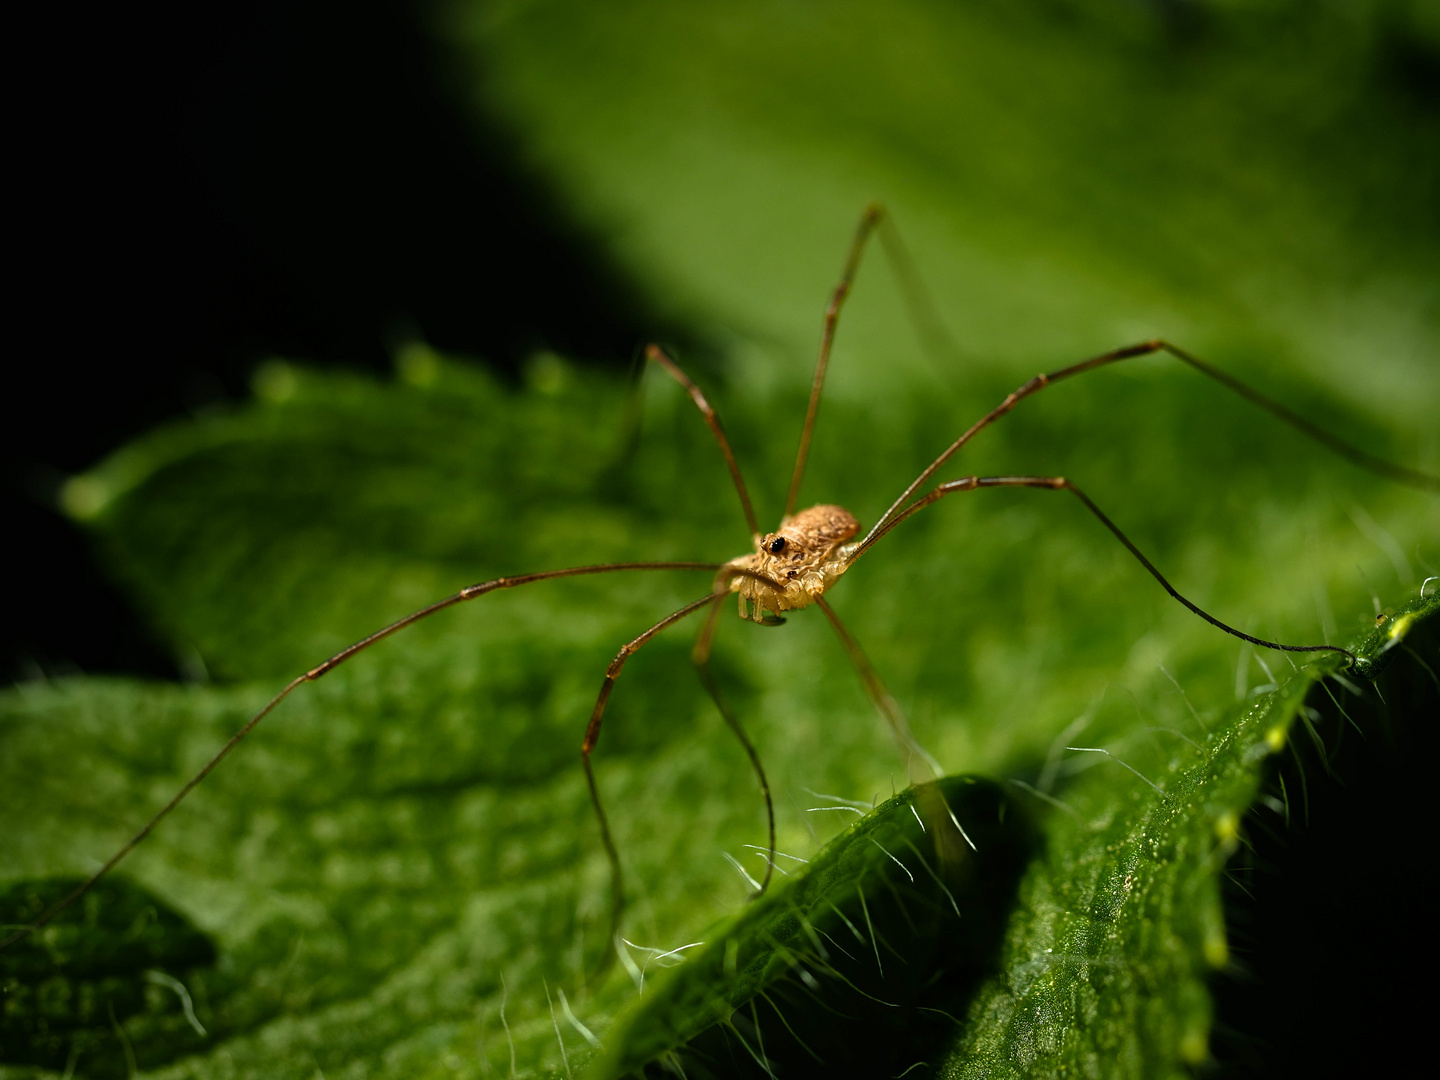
(1260, 179)
(400, 870)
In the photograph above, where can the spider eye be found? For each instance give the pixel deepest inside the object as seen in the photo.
(777, 545)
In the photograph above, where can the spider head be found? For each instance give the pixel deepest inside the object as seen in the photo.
(804, 541)
(797, 562)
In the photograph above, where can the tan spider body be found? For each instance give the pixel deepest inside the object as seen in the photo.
(805, 556)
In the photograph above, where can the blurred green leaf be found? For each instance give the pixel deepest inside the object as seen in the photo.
(400, 869)
(1257, 182)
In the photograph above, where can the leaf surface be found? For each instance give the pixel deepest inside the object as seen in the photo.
(400, 871)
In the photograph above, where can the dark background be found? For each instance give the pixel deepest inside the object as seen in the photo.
(204, 188)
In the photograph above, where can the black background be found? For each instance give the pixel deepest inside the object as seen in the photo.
(206, 187)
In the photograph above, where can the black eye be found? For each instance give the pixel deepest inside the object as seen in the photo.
(777, 545)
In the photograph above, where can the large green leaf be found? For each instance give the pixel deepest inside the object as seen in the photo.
(406, 846)
(1257, 183)
(400, 872)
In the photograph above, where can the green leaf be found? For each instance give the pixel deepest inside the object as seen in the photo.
(1119, 924)
(94, 985)
(1103, 963)
(400, 870)
(1257, 185)
(891, 927)
(407, 845)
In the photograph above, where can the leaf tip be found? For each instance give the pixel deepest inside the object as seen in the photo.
(85, 497)
(275, 381)
(1399, 627)
(417, 364)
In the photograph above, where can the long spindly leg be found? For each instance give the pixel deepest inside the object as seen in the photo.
(700, 654)
(1362, 458)
(657, 355)
(1059, 483)
(920, 766)
(470, 592)
(868, 221)
(592, 736)
(920, 306)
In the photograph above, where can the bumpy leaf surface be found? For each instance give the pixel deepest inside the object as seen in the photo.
(400, 873)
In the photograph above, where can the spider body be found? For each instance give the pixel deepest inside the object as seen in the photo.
(792, 567)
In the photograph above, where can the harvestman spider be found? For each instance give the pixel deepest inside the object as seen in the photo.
(794, 566)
